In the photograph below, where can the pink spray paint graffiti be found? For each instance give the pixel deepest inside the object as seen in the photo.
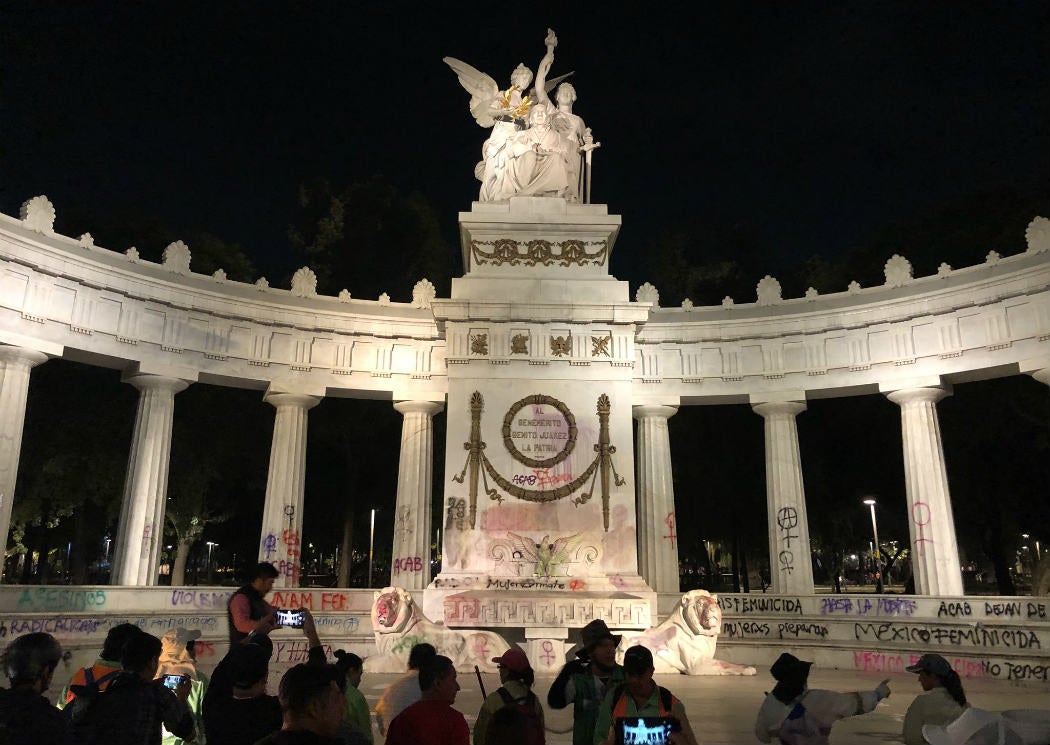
(671, 535)
(920, 513)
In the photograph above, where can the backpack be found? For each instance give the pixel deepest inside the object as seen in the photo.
(800, 727)
(80, 710)
(666, 699)
(534, 733)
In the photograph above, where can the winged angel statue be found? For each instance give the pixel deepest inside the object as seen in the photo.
(535, 148)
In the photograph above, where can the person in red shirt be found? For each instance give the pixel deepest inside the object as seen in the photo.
(432, 720)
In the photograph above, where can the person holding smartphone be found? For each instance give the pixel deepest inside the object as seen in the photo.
(247, 611)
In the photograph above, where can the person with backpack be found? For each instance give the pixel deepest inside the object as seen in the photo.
(97, 677)
(134, 706)
(516, 676)
(26, 716)
(794, 714)
(639, 696)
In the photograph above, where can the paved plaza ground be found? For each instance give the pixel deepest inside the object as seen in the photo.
(722, 709)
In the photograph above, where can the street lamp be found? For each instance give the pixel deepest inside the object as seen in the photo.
(210, 546)
(875, 530)
(371, 545)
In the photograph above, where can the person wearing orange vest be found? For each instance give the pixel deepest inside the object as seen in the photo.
(639, 696)
(106, 667)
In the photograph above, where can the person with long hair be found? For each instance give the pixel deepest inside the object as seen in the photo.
(942, 701)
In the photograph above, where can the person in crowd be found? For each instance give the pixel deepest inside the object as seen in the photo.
(794, 713)
(312, 707)
(26, 716)
(583, 682)
(432, 720)
(237, 709)
(134, 707)
(357, 715)
(405, 691)
(106, 667)
(639, 696)
(508, 726)
(178, 657)
(247, 611)
(942, 701)
(515, 692)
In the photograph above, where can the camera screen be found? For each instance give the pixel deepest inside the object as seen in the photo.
(643, 730)
(290, 618)
(172, 681)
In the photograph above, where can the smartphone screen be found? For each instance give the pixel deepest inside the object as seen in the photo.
(172, 681)
(290, 618)
(643, 730)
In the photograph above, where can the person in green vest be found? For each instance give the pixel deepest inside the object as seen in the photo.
(583, 682)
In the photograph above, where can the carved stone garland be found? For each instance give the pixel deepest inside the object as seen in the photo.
(602, 463)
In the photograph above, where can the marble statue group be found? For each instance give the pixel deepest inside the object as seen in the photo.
(537, 147)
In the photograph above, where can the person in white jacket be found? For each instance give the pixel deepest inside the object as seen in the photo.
(794, 714)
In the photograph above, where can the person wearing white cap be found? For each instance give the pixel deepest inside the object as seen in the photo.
(178, 657)
(795, 714)
(517, 677)
(942, 700)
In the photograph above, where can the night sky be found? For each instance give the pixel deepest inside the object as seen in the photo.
(814, 124)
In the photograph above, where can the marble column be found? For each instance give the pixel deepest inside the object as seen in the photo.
(140, 532)
(657, 532)
(410, 560)
(15, 366)
(282, 526)
(935, 553)
(791, 568)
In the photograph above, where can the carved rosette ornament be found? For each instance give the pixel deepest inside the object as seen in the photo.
(648, 294)
(1037, 235)
(304, 282)
(898, 271)
(768, 291)
(538, 252)
(423, 294)
(176, 258)
(38, 214)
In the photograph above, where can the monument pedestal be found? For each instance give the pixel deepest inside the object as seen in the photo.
(540, 515)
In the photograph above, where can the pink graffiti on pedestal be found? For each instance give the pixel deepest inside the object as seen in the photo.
(481, 646)
(920, 513)
(408, 564)
(290, 568)
(548, 653)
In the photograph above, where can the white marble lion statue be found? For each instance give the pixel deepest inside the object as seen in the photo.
(685, 642)
(399, 625)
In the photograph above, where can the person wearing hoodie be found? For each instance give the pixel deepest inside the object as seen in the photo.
(178, 657)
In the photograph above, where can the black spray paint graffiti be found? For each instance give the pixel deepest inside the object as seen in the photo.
(742, 606)
(963, 636)
(787, 520)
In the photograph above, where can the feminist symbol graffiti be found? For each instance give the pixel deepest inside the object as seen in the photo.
(548, 652)
(787, 519)
(669, 522)
(270, 546)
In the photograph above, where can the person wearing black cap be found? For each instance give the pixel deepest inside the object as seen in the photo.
(797, 715)
(246, 713)
(584, 681)
(639, 696)
(942, 702)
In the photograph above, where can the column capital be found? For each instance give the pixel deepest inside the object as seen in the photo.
(148, 381)
(430, 408)
(300, 400)
(779, 408)
(931, 394)
(653, 411)
(22, 355)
